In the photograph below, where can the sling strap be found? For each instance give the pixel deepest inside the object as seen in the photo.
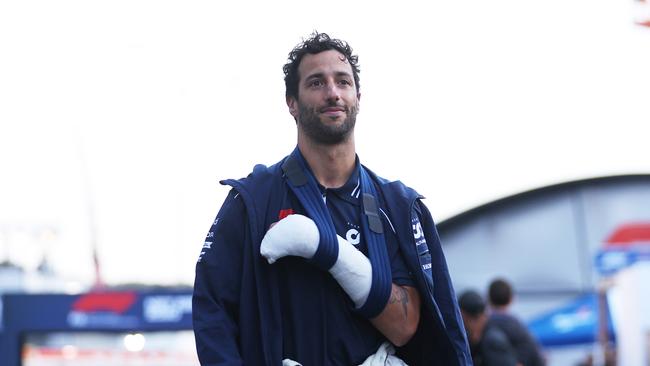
(304, 185)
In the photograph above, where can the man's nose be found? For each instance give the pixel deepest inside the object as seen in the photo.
(333, 93)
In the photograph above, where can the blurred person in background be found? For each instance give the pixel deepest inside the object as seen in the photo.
(488, 344)
(316, 260)
(500, 295)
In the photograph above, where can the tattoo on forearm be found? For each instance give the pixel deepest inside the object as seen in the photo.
(400, 295)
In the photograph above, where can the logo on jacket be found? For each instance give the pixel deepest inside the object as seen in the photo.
(418, 233)
(353, 236)
(284, 213)
(417, 230)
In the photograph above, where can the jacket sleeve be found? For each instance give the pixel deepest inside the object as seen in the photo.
(215, 302)
(443, 291)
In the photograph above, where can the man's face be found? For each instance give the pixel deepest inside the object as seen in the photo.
(327, 105)
(473, 326)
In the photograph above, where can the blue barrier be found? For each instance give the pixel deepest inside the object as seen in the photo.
(106, 311)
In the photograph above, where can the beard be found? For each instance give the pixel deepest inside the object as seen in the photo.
(327, 134)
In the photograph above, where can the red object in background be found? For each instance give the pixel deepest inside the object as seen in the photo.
(629, 234)
(117, 302)
(643, 16)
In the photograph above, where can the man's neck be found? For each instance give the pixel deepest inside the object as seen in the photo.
(500, 309)
(332, 165)
(477, 328)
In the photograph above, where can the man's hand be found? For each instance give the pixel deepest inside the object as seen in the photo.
(295, 235)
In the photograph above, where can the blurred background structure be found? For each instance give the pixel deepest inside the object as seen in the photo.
(562, 247)
(118, 119)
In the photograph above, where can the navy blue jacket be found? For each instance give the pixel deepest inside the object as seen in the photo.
(526, 347)
(248, 330)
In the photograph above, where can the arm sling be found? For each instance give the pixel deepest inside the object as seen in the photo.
(303, 184)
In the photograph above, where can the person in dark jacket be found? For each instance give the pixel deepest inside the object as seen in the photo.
(488, 344)
(318, 261)
(500, 297)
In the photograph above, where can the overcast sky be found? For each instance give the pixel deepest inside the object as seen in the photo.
(118, 118)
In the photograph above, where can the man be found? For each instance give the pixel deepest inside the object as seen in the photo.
(500, 296)
(488, 344)
(316, 260)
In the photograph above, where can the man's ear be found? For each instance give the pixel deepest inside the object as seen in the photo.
(292, 103)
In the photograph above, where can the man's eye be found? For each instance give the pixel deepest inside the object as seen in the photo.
(315, 83)
(345, 82)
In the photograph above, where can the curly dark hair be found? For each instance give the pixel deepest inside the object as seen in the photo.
(316, 43)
